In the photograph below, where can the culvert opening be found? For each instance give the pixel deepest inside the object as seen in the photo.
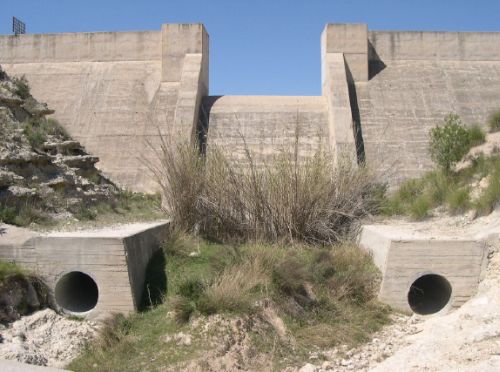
(76, 292)
(429, 294)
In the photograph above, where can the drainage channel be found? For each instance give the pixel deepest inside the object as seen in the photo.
(429, 294)
(76, 292)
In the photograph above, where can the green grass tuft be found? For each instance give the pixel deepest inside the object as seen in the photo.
(8, 269)
(490, 197)
(494, 122)
(22, 87)
(477, 136)
(458, 201)
(419, 208)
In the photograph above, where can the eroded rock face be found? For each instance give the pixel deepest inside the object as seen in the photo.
(40, 166)
(21, 295)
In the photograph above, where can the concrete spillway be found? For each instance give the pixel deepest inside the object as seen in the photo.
(424, 272)
(90, 273)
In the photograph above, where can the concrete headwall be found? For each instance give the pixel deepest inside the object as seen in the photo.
(116, 92)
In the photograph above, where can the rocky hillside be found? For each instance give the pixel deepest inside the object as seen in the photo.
(44, 174)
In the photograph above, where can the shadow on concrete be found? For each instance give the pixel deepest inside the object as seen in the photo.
(375, 64)
(155, 283)
(356, 117)
(204, 122)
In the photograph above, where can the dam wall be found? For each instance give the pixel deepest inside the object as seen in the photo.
(266, 125)
(118, 93)
(415, 80)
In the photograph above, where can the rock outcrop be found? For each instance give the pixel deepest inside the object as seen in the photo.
(42, 170)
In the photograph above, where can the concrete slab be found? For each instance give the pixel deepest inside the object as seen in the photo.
(415, 263)
(91, 273)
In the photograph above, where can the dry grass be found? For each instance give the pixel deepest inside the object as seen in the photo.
(323, 296)
(314, 200)
(237, 287)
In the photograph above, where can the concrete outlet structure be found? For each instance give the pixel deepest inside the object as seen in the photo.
(90, 273)
(422, 273)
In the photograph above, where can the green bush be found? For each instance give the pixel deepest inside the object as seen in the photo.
(449, 142)
(23, 213)
(490, 197)
(52, 127)
(458, 200)
(7, 214)
(38, 129)
(8, 269)
(476, 135)
(22, 86)
(494, 122)
(419, 208)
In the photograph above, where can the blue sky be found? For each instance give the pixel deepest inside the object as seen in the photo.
(256, 47)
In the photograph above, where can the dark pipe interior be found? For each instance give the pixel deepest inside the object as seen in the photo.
(76, 292)
(429, 294)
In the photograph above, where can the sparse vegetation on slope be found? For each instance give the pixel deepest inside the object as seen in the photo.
(46, 178)
(291, 299)
(475, 186)
(494, 121)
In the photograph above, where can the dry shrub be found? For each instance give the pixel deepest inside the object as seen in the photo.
(353, 275)
(236, 288)
(315, 200)
(180, 175)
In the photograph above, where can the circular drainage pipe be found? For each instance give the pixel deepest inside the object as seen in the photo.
(429, 294)
(76, 292)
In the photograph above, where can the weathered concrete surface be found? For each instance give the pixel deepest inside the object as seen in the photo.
(336, 92)
(115, 258)
(407, 98)
(403, 254)
(434, 46)
(416, 79)
(268, 124)
(352, 41)
(117, 92)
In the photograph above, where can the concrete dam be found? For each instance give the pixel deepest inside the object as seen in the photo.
(118, 93)
(382, 91)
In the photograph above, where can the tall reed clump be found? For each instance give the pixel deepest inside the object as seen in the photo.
(314, 200)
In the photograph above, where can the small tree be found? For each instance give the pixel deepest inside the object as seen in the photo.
(449, 142)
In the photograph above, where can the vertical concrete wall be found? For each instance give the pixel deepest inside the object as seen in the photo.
(116, 92)
(352, 41)
(265, 125)
(344, 60)
(416, 79)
